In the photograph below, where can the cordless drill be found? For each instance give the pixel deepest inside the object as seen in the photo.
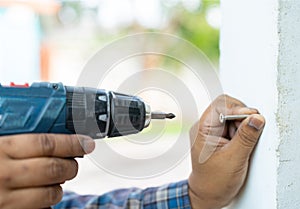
(54, 108)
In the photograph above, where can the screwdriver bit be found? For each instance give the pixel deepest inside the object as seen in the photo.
(162, 115)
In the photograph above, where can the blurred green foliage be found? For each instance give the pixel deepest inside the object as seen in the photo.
(193, 26)
(189, 25)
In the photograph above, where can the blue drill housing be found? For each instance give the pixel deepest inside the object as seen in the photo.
(40, 108)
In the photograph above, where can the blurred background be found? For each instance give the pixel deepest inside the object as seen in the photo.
(48, 40)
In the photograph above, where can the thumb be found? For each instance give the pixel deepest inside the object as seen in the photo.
(247, 135)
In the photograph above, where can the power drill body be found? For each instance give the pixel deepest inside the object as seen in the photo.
(55, 108)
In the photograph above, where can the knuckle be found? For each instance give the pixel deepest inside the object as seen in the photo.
(222, 97)
(74, 169)
(247, 138)
(5, 175)
(53, 194)
(229, 101)
(56, 169)
(3, 200)
(73, 147)
(6, 199)
(6, 142)
(222, 101)
(5, 179)
(47, 145)
(193, 133)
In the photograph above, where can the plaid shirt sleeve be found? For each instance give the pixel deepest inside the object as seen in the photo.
(170, 196)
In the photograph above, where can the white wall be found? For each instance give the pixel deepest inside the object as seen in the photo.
(248, 67)
(260, 64)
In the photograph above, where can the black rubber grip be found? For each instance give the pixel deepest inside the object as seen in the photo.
(85, 106)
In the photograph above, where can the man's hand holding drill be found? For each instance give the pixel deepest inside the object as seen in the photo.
(34, 165)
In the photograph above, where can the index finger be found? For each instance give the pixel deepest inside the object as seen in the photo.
(46, 145)
(209, 122)
(225, 105)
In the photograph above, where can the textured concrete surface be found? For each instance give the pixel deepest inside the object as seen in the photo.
(288, 183)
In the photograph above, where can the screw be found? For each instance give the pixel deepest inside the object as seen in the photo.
(55, 86)
(223, 118)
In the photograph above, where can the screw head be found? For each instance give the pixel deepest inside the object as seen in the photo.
(221, 118)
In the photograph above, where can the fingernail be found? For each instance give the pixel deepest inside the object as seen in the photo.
(253, 110)
(247, 110)
(256, 122)
(87, 144)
